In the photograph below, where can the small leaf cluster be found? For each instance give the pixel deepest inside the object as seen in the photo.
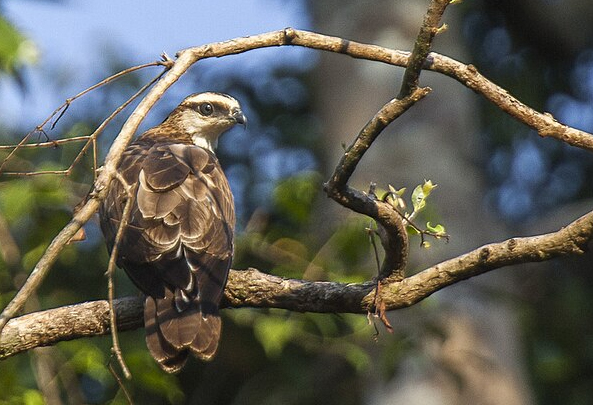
(419, 198)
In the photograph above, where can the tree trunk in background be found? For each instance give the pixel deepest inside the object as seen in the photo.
(477, 358)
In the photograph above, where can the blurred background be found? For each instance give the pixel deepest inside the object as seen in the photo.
(519, 335)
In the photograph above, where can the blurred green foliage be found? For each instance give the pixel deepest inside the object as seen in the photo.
(16, 51)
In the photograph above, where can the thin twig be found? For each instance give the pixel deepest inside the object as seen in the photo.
(95, 164)
(62, 108)
(120, 383)
(408, 220)
(12, 152)
(50, 144)
(371, 232)
(91, 140)
(64, 172)
(130, 191)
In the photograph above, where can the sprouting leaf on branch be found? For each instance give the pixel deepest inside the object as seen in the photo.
(419, 196)
(419, 199)
(437, 230)
(396, 197)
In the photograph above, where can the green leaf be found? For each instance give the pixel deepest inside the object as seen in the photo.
(16, 199)
(420, 194)
(358, 357)
(427, 187)
(294, 196)
(396, 197)
(399, 192)
(89, 359)
(15, 50)
(418, 199)
(32, 256)
(437, 229)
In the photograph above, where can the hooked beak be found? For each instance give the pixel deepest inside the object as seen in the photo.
(239, 117)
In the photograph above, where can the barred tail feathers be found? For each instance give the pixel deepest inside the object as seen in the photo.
(172, 334)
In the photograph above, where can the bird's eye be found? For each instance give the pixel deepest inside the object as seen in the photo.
(206, 109)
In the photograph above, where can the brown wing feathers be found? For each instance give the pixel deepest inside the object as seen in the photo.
(178, 246)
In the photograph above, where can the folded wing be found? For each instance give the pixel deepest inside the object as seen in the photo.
(178, 245)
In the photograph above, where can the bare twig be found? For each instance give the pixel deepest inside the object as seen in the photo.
(62, 108)
(49, 144)
(120, 383)
(131, 191)
(371, 232)
(91, 140)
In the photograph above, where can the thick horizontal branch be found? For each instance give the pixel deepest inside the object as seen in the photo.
(252, 288)
(49, 327)
(574, 239)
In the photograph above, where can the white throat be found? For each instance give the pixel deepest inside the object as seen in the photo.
(205, 143)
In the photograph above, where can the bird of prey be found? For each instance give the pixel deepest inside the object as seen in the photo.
(178, 244)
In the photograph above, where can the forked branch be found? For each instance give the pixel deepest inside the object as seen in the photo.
(392, 228)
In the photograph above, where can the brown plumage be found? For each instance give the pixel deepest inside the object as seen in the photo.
(178, 245)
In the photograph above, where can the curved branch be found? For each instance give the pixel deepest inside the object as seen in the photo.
(395, 240)
(394, 237)
(252, 288)
(468, 75)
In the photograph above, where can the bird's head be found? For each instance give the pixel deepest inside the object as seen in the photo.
(205, 116)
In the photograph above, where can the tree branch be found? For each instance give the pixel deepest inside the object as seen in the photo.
(394, 238)
(252, 288)
(545, 124)
(422, 45)
(392, 230)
